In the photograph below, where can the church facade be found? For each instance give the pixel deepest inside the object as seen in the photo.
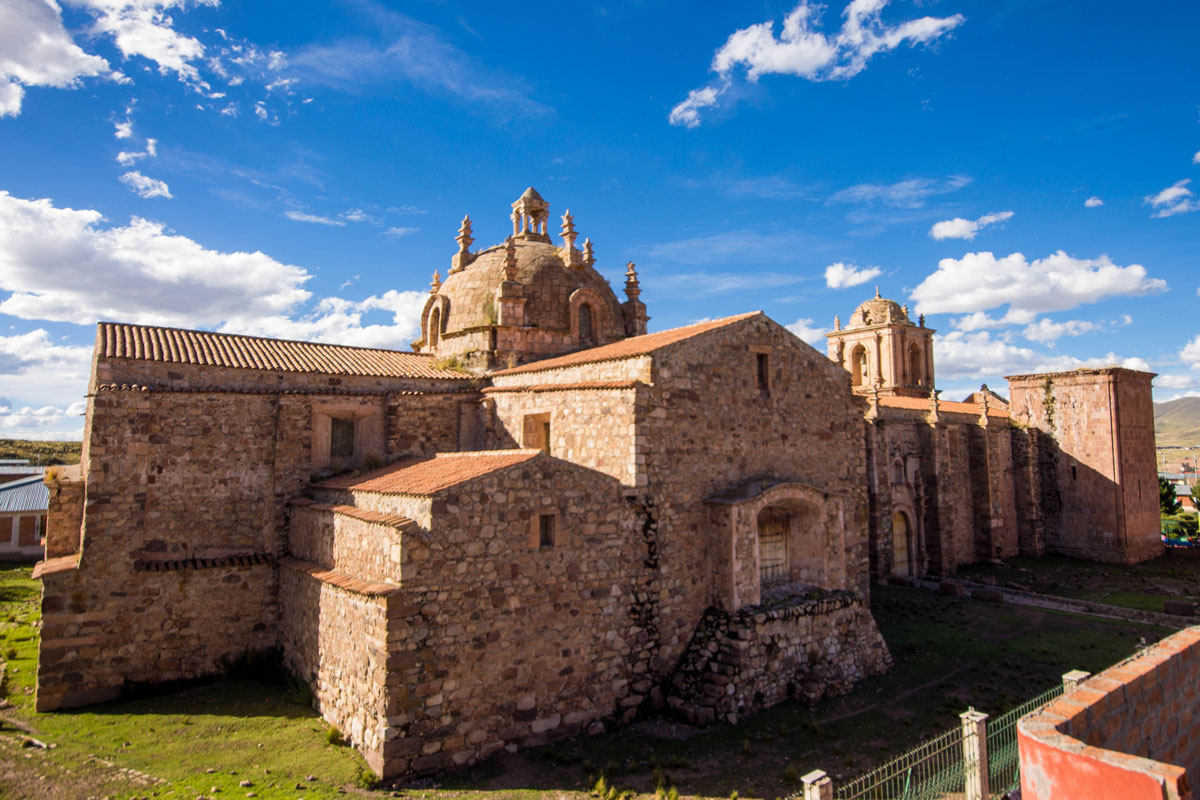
(545, 519)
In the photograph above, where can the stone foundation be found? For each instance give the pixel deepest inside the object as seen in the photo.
(805, 645)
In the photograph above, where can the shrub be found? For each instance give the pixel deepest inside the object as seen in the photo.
(790, 775)
(334, 736)
(364, 778)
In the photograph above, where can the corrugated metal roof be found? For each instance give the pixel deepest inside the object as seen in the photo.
(26, 494)
(20, 469)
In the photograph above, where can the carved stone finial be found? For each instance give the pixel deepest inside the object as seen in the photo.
(510, 259)
(904, 308)
(570, 255)
(877, 291)
(589, 257)
(633, 289)
(464, 256)
(921, 320)
(934, 404)
(873, 403)
(983, 408)
(837, 322)
(436, 283)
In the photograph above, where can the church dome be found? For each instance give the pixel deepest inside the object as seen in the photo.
(526, 298)
(878, 311)
(547, 282)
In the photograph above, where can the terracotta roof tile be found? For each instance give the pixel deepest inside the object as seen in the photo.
(944, 406)
(365, 515)
(428, 476)
(204, 348)
(339, 579)
(628, 348)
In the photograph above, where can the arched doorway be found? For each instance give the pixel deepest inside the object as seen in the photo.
(916, 374)
(773, 566)
(859, 369)
(901, 545)
(435, 327)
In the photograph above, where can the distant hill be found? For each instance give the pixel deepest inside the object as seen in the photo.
(45, 453)
(1177, 423)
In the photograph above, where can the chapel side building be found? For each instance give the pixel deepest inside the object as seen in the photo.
(573, 519)
(1067, 467)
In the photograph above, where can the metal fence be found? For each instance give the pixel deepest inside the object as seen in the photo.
(929, 771)
(1004, 773)
(976, 760)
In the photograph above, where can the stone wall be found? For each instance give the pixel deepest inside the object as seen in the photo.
(362, 543)
(337, 641)
(1101, 422)
(1125, 734)
(496, 640)
(64, 513)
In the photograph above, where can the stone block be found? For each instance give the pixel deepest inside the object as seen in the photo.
(988, 594)
(1181, 608)
(952, 588)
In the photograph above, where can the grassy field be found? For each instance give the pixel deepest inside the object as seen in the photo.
(45, 453)
(1174, 576)
(949, 654)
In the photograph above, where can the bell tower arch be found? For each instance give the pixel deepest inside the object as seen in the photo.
(883, 349)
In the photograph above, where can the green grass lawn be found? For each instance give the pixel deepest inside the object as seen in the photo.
(45, 453)
(1144, 586)
(949, 654)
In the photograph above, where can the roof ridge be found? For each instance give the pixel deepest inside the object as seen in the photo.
(22, 481)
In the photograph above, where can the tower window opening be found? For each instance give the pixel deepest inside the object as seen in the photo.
(585, 323)
(764, 371)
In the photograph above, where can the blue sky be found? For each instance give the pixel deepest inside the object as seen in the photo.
(1025, 173)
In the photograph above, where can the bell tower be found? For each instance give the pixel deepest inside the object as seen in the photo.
(884, 350)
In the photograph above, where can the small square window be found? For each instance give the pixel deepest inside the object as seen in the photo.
(341, 438)
(546, 530)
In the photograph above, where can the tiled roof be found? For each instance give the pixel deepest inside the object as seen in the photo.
(363, 514)
(428, 476)
(944, 406)
(204, 348)
(23, 495)
(628, 348)
(339, 579)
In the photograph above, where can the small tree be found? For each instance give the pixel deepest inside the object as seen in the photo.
(1168, 503)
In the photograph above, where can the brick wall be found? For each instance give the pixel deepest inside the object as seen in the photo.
(1128, 733)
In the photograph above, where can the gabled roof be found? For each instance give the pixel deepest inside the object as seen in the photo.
(204, 348)
(424, 477)
(628, 348)
(24, 495)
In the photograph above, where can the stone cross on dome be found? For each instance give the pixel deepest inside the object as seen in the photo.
(530, 216)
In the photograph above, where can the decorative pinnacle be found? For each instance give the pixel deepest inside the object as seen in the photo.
(589, 257)
(568, 226)
(837, 322)
(921, 320)
(464, 238)
(436, 283)
(904, 308)
(570, 255)
(877, 291)
(510, 259)
(632, 288)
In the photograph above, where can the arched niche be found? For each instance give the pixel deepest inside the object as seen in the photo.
(598, 312)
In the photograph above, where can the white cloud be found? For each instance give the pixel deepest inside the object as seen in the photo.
(39, 373)
(1093, 202)
(36, 50)
(1190, 354)
(300, 216)
(805, 52)
(145, 28)
(357, 215)
(911, 193)
(841, 276)
(340, 321)
(687, 112)
(1047, 331)
(979, 320)
(397, 232)
(128, 158)
(1174, 382)
(145, 187)
(1059, 282)
(959, 228)
(960, 355)
(1196, 158)
(1175, 199)
(64, 265)
(805, 330)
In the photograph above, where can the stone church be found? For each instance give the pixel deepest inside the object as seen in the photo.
(545, 520)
